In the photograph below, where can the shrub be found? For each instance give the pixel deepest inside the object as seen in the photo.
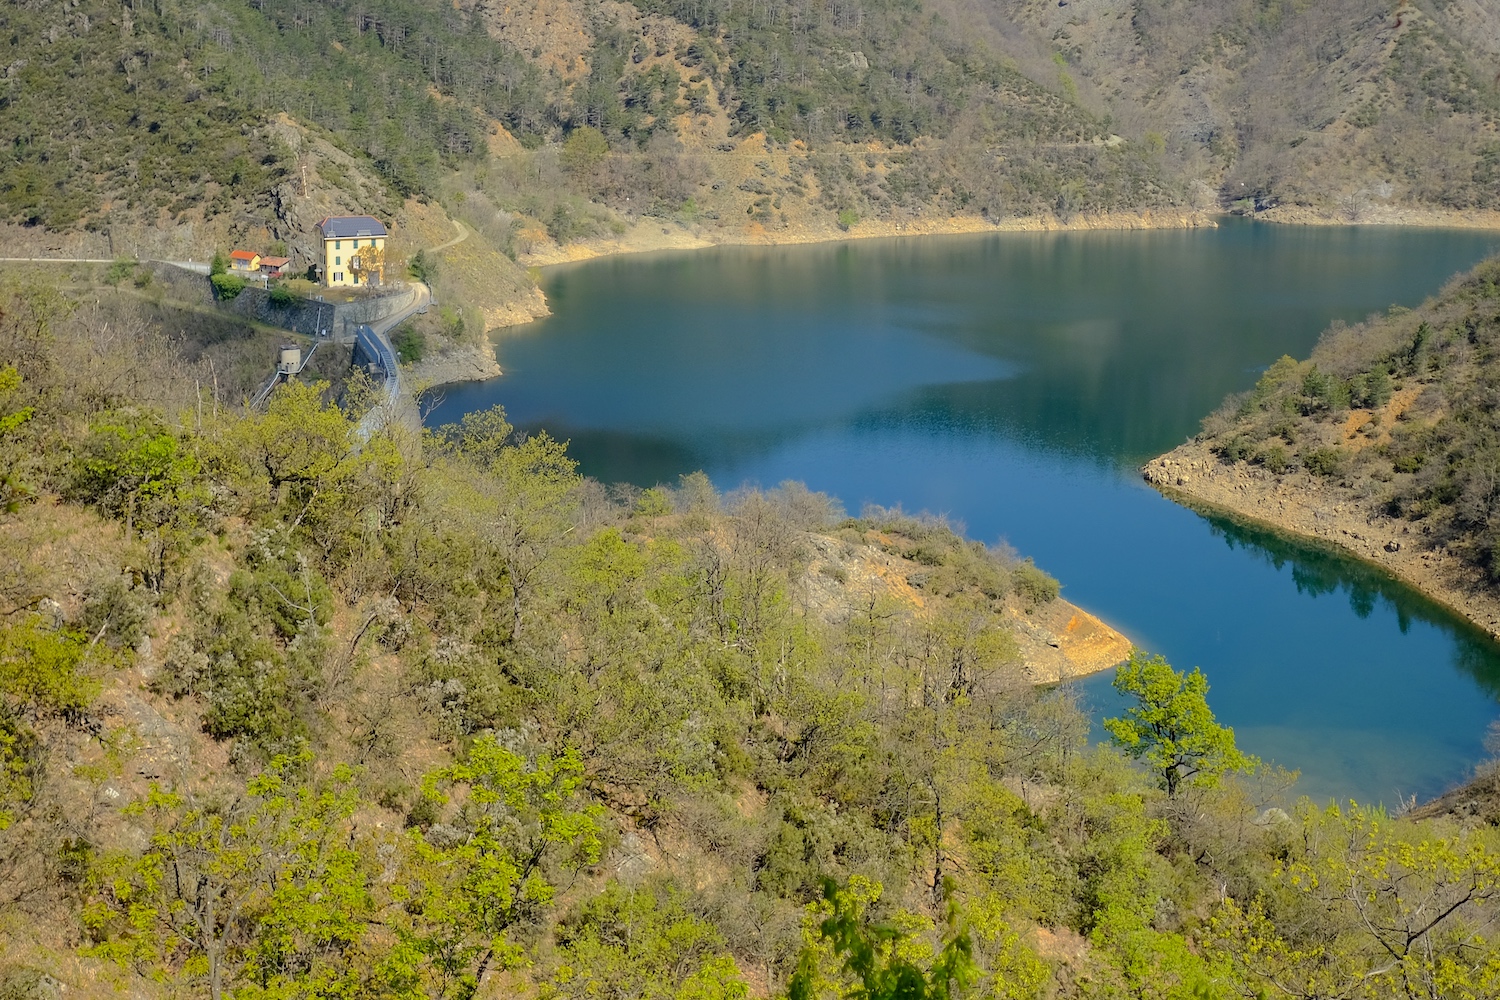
(281, 296)
(1409, 463)
(116, 612)
(847, 217)
(423, 267)
(1237, 449)
(585, 149)
(1371, 390)
(1274, 458)
(1324, 461)
(227, 286)
(409, 343)
(1036, 586)
(119, 271)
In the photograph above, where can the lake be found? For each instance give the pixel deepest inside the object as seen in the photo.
(1015, 383)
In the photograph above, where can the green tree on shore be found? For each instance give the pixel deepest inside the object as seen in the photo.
(1171, 727)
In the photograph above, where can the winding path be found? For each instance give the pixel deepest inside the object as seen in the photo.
(393, 403)
(463, 234)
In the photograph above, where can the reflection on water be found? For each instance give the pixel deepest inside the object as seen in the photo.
(1317, 570)
(1016, 382)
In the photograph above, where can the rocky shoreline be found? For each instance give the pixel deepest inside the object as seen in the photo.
(1310, 507)
(470, 363)
(661, 234)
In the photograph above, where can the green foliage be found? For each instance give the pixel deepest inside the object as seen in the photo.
(132, 468)
(117, 613)
(876, 957)
(119, 271)
(1171, 726)
(258, 893)
(1324, 461)
(1033, 584)
(227, 286)
(409, 343)
(1372, 390)
(423, 266)
(458, 897)
(43, 669)
(602, 684)
(642, 942)
(584, 150)
(1365, 906)
(218, 266)
(20, 765)
(281, 297)
(1275, 458)
(13, 415)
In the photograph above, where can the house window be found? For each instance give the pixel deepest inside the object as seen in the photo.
(338, 276)
(356, 244)
(338, 260)
(356, 277)
(336, 244)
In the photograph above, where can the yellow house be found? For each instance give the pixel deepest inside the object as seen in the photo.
(353, 250)
(244, 260)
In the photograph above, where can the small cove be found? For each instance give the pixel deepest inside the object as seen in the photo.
(1015, 382)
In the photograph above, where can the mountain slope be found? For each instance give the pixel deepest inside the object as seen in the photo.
(179, 127)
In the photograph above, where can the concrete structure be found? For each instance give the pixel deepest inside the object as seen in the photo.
(290, 359)
(244, 261)
(353, 250)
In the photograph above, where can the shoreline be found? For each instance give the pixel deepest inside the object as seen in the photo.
(649, 235)
(1384, 215)
(1301, 506)
(454, 366)
(652, 234)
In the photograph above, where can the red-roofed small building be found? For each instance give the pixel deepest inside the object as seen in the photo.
(274, 267)
(244, 260)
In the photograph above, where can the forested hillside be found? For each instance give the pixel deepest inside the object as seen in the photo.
(1349, 109)
(289, 713)
(561, 120)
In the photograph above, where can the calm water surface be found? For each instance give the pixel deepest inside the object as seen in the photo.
(1015, 383)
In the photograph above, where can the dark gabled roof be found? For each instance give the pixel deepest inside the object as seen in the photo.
(343, 227)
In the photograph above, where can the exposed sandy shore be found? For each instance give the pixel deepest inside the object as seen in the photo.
(1308, 506)
(1379, 214)
(659, 234)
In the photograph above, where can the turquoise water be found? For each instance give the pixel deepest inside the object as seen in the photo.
(1015, 383)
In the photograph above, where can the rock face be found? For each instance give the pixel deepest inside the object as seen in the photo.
(1308, 506)
(459, 364)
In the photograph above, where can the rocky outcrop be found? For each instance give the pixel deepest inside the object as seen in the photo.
(453, 366)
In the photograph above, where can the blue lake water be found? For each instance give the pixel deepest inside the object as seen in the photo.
(1016, 382)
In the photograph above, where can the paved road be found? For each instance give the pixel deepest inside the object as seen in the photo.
(395, 405)
(201, 267)
(56, 260)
